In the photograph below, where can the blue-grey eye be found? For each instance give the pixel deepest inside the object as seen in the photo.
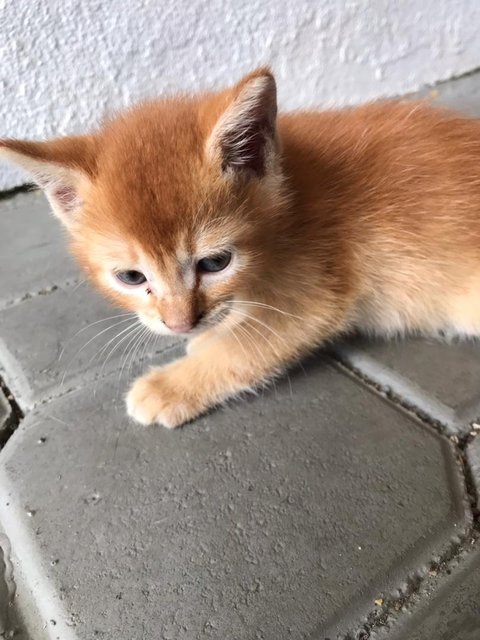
(131, 277)
(217, 262)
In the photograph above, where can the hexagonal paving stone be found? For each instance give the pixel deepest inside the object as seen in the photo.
(281, 516)
(438, 379)
(48, 343)
(33, 256)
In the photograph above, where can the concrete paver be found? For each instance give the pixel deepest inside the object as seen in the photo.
(462, 93)
(271, 518)
(38, 369)
(438, 379)
(33, 256)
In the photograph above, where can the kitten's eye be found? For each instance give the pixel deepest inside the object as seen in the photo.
(218, 262)
(131, 277)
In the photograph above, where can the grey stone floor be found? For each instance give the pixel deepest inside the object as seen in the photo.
(343, 503)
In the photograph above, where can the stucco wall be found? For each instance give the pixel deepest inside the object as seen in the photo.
(66, 63)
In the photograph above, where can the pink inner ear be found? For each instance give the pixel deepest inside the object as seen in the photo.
(66, 196)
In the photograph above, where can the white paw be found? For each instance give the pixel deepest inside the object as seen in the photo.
(153, 400)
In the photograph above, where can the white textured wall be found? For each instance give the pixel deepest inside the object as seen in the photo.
(65, 63)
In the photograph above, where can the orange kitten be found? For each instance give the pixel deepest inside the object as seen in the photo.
(260, 238)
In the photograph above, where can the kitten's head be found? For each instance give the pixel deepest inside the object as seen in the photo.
(172, 208)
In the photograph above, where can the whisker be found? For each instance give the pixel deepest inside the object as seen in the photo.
(87, 343)
(143, 351)
(91, 324)
(232, 332)
(253, 341)
(269, 342)
(135, 349)
(243, 328)
(246, 315)
(126, 353)
(79, 284)
(272, 331)
(100, 353)
(116, 345)
(128, 331)
(263, 305)
(264, 337)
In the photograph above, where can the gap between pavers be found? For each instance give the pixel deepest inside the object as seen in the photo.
(446, 607)
(435, 379)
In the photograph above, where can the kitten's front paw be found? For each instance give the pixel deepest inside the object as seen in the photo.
(155, 398)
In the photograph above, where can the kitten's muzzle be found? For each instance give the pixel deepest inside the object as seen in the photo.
(202, 321)
(183, 327)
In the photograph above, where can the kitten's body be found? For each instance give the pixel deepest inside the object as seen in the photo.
(362, 219)
(391, 194)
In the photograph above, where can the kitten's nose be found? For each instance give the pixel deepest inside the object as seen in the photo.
(180, 328)
(180, 315)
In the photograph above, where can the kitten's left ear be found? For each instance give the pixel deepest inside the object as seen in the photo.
(63, 168)
(244, 137)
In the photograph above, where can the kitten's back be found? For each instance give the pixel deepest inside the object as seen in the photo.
(400, 182)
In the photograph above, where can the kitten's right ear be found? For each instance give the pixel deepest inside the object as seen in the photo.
(243, 139)
(63, 168)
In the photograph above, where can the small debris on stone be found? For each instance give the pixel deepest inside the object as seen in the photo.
(379, 602)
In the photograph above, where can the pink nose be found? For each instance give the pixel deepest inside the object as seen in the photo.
(180, 328)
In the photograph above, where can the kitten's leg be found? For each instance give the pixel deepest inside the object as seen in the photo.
(216, 368)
